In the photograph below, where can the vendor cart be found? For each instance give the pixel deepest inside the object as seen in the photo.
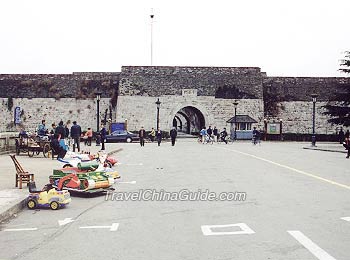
(32, 145)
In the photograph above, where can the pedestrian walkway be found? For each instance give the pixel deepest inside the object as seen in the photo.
(327, 147)
(12, 199)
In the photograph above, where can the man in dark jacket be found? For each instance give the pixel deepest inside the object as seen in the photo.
(75, 133)
(173, 134)
(142, 135)
(103, 134)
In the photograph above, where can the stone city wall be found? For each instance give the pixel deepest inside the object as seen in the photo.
(216, 112)
(297, 118)
(301, 88)
(159, 81)
(52, 110)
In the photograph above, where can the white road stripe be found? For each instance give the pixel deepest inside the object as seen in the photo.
(207, 230)
(114, 227)
(20, 229)
(311, 246)
(346, 218)
(126, 182)
(289, 168)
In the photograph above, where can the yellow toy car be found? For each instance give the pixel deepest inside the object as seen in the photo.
(47, 197)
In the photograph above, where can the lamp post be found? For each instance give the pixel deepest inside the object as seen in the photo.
(313, 137)
(265, 128)
(235, 103)
(158, 106)
(98, 98)
(281, 136)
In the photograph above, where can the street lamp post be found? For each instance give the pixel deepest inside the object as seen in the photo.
(313, 137)
(281, 132)
(158, 106)
(235, 103)
(98, 98)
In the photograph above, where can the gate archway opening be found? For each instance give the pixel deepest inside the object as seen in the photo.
(189, 120)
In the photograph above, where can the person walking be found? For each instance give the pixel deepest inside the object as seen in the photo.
(75, 133)
(61, 132)
(223, 135)
(173, 134)
(89, 136)
(347, 146)
(159, 136)
(215, 133)
(203, 134)
(210, 132)
(341, 136)
(142, 135)
(152, 135)
(103, 134)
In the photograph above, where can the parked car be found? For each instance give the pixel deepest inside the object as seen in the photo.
(121, 136)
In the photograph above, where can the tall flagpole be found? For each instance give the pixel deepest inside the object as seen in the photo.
(152, 16)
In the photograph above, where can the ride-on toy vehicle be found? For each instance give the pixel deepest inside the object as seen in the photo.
(47, 197)
(84, 179)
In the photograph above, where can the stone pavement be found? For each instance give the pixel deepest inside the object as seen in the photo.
(12, 199)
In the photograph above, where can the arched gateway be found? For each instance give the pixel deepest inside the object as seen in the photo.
(189, 120)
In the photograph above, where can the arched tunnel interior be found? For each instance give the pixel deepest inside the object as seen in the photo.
(189, 120)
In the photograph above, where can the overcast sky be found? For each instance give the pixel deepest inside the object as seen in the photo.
(282, 37)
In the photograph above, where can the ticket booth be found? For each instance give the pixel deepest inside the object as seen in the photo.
(244, 127)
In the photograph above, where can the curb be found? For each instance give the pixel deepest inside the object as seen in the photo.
(324, 150)
(12, 209)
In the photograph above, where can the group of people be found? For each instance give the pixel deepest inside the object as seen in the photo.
(344, 139)
(60, 136)
(156, 135)
(208, 135)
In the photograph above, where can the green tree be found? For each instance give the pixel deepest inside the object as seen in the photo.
(339, 109)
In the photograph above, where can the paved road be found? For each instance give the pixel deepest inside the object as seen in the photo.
(295, 200)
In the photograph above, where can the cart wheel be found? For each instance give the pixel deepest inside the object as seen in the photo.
(31, 204)
(30, 153)
(54, 205)
(67, 166)
(46, 150)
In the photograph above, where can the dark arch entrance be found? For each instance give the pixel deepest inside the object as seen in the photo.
(189, 120)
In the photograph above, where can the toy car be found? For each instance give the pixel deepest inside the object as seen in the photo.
(47, 197)
(82, 179)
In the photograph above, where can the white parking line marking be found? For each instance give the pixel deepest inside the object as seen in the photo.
(311, 246)
(346, 218)
(207, 230)
(130, 164)
(289, 168)
(65, 221)
(126, 182)
(19, 229)
(114, 227)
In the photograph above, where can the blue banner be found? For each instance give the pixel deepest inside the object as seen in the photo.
(17, 115)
